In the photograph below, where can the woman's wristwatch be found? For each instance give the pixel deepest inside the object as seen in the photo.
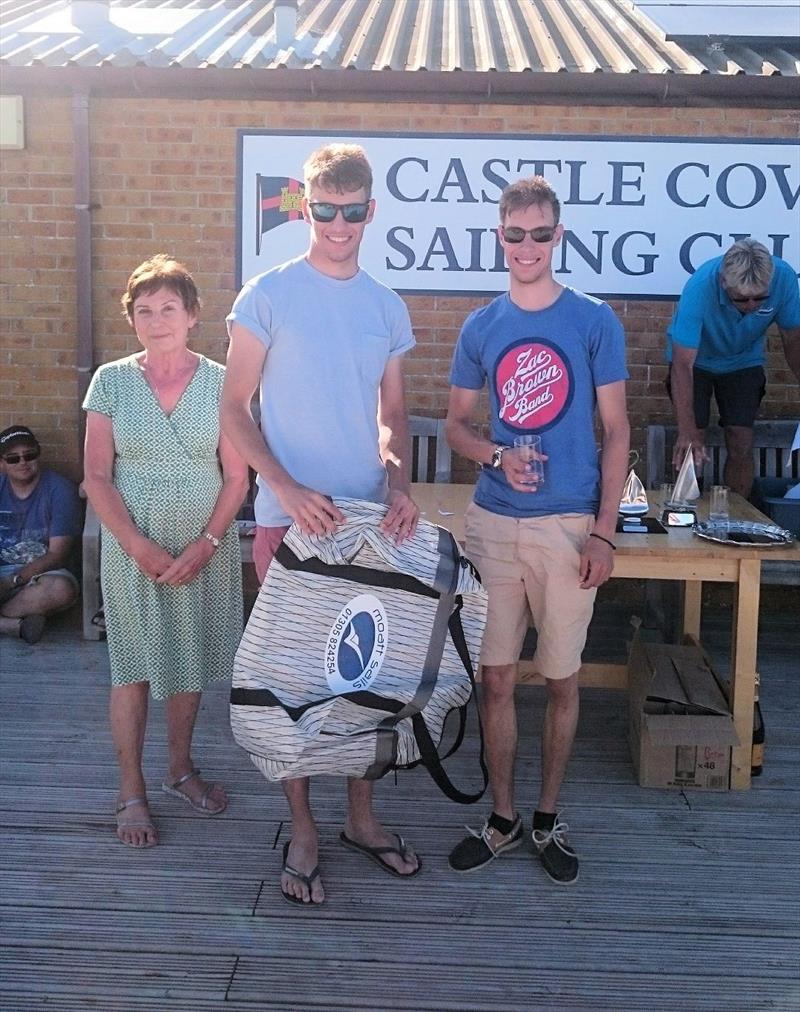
(210, 537)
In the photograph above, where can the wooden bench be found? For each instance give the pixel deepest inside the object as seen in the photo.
(772, 454)
(431, 459)
(772, 457)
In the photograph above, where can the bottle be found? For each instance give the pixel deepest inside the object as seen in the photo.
(757, 753)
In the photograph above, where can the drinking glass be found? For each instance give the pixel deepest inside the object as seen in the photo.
(666, 490)
(529, 449)
(718, 509)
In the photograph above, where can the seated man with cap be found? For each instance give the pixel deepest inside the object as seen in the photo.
(39, 520)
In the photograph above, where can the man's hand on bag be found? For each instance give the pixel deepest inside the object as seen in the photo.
(313, 512)
(400, 522)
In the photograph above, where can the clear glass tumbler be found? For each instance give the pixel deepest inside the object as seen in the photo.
(529, 449)
(718, 512)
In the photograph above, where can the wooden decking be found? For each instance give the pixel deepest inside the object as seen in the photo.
(685, 901)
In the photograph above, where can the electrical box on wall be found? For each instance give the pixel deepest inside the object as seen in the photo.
(12, 122)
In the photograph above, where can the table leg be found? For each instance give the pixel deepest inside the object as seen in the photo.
(744, 647)
(692, 608)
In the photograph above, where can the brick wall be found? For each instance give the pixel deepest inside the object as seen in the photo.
(163, 179)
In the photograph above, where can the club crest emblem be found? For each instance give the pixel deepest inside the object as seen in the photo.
(356, 645)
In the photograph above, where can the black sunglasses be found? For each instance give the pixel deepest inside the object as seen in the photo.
(741, 299)
(353, 214)
(15, 458)
(514, 234)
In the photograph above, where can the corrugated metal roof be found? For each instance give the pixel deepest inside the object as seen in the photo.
(492, 36)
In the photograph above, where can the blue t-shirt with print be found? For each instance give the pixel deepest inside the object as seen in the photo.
(52, 510)
(542, 368)
(725, 338)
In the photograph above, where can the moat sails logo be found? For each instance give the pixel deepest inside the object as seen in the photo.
(356, 645)
(534, 385)
(278, 199)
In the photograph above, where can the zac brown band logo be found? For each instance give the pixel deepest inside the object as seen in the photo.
(534, 385)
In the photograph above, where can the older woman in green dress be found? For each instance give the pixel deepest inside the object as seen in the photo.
(166, 485)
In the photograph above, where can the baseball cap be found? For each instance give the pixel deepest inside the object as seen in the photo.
(16, 434)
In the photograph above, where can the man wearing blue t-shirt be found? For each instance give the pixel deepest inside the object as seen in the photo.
(716, 345)
(39, 520)
(325, 342)
(552, 358)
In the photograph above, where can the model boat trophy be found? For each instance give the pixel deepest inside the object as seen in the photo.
(678, 512)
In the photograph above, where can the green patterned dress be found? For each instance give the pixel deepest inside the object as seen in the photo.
(167, 471)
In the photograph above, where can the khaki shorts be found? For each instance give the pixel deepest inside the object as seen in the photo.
(530, 568)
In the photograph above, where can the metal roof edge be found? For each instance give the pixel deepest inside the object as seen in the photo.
(387, 85)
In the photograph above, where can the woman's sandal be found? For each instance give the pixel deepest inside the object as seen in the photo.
(149, 824)
(202, 804)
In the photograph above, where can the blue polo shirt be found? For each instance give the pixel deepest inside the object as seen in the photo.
(725, 338)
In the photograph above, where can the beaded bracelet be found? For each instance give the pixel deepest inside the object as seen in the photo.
(601, 538)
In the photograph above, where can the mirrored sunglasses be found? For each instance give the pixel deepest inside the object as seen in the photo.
(353, 214)
(514, 234)
(742, 299)
(27, 456)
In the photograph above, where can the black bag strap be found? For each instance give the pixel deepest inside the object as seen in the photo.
(428, 754)
(355, 574)
(265, 697)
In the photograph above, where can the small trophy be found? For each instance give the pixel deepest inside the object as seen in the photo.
(678, 512)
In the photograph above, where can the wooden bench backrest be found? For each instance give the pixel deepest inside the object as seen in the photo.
(431, 459)
(771, 454)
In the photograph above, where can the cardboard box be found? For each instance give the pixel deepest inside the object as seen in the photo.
(681, 729)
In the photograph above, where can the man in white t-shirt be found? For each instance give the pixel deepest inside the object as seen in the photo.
(325, 342)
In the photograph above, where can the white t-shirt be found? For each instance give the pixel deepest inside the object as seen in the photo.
(328, 342)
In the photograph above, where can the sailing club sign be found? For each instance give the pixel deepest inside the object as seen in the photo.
(640, 213)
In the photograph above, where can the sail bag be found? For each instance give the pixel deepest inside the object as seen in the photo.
(357, 650)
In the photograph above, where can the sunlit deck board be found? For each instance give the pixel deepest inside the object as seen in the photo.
(684, 900)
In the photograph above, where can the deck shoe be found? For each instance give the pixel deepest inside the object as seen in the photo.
(558, 859)
(484, 845)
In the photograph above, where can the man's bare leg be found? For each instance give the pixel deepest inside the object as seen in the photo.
(500, 733)
(303, 853)
(558, 735)
(128, 715)
(47, 595)
(362, 826)
(739, 469)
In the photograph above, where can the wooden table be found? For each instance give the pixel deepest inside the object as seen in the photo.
(678, 555)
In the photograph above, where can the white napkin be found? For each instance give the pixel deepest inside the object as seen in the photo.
(686, 488)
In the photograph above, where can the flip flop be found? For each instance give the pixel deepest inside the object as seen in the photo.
(199, 806)
(149, 824)
(307, 880)
(374, 854)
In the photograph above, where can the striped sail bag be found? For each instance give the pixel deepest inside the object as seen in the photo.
(357, 650)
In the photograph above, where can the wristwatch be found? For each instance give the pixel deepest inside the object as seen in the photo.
(497, 456)
(210, 537)
(16, 580)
